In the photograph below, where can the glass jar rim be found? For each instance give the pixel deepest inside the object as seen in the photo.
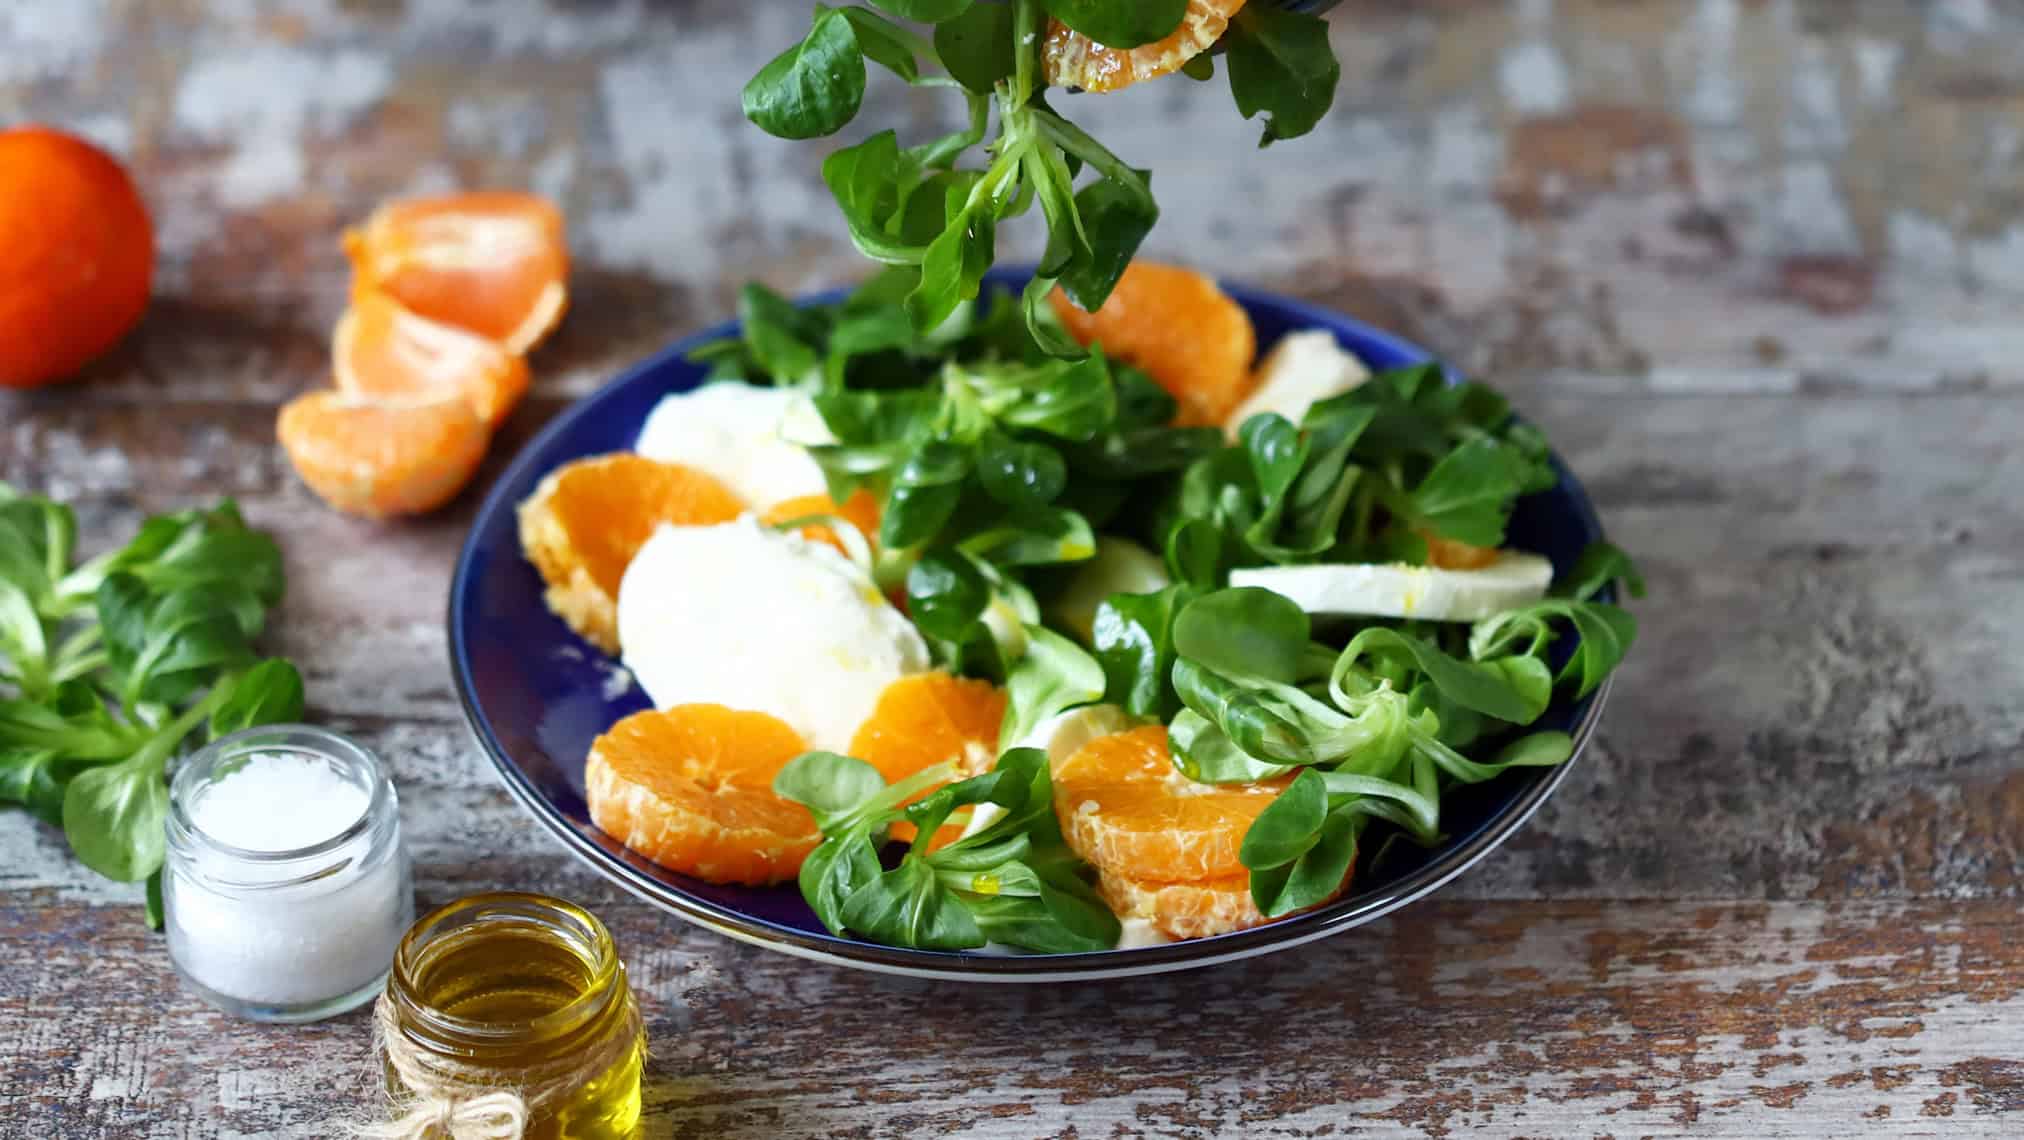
(300, 738)
(606, 981)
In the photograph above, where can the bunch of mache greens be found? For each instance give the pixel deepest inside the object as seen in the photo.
(1366, 476)
(111, 668)
(991, 460)
(997, 467)
(919, 207)
(1373, 727)
(1371, 719)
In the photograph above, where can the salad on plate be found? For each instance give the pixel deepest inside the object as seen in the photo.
(982, 646)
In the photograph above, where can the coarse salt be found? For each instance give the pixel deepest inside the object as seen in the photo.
(279, 801)
(287, 886)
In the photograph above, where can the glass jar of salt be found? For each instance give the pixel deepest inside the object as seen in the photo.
(287, 886)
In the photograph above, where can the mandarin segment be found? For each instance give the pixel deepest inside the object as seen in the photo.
(924, 719)
(493, 263)
(382, 460)
(381, 351)
(1186, 333)
(927, 718)
(860, 510)
(1449, 554)
(583, 524)
(1072, 59)
(1183, 910)
(1126, 809)
(691, 788)
(1191, 910)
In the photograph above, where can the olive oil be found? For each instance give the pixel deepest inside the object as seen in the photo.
(520, 992)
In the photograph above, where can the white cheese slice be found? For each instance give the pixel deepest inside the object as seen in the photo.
(1302, 370)
(1403, 591)
(753, 439)
(742, 615)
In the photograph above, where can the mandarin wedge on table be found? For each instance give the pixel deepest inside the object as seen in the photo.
(1126, 809)
(77, 255)
(691, 788)
(381, 351)
(493, 263)
(583, 524)
(860, 510)
(1186, 333)
(1072, 59)
(378, 459)
(924, 719)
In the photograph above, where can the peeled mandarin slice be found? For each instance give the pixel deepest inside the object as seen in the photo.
(583, 524)
(691, 788)
(1448, 554)
(384, 352)
(927, 718)
(1183, 910)
(493, 263)
(1181, 329)
(377, 459)
(1126, 809)
(1072, 59)
(860, 510)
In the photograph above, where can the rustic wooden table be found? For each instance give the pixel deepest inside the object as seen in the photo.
(1757, 268)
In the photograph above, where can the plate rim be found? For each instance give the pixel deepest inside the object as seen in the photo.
(1297, 930)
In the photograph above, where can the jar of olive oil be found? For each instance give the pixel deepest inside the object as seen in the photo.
(519, 996)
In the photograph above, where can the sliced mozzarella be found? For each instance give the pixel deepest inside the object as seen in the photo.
(745, 616)
(753, 439)
(1302, 370)
(1060, 736)
(1399, 590)
(1120, 566)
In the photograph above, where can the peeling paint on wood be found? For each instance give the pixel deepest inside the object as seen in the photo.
(1755, 266)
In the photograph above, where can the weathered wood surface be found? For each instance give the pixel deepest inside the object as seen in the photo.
(1756, 267)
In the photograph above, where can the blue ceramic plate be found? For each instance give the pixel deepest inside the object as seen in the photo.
(537, 696)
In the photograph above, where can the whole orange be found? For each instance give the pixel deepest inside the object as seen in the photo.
(77, 255)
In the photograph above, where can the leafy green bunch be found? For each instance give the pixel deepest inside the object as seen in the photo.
(1372, 729)
(989, 458)
(1367, 476)
(108, 669)
(1013, 881)
(920, 208)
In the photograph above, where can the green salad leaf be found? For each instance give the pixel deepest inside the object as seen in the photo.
(1281, 65)
(813, 88)
(1369, 475)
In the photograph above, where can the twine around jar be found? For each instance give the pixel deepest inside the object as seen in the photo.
(450, 1100)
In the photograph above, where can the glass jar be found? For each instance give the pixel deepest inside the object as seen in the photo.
(286, 885)
(520, 992)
